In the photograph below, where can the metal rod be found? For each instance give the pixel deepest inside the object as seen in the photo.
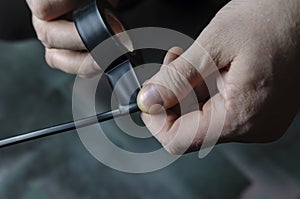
(68, 126)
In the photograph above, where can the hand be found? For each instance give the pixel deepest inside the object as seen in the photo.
(256, 47)
(64, 49)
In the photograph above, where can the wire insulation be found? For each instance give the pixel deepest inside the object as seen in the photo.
(68, 126)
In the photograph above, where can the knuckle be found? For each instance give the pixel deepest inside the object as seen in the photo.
(83, 76)
(171, 78)
(49, 58)
(187, 71)
(236, 117)
(42, 10)
(43, 35)
(239, 104)
(173, 150)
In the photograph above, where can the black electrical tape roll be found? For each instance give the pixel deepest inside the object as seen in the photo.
(96, 22)
(91, 23)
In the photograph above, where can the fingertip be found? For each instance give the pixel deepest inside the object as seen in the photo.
(149, 99)
(140, 102)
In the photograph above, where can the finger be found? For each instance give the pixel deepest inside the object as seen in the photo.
(172, 54)
(201, 89)
(51, 9)
(202, 92)
(58, 34)
(72, 62)
(177, 79)
(190, 131)
(209, 53)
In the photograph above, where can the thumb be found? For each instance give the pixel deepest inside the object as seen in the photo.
(176, 78)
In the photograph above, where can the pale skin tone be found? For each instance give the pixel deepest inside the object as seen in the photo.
(256, 47)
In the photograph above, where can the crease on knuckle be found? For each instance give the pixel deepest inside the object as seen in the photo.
(189, 74)
(44, 35)
(179, 80)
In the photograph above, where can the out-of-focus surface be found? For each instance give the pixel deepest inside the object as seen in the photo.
(35, 96)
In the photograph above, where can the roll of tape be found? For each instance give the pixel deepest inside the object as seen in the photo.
(96, 22)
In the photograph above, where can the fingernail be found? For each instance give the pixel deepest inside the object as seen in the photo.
(149, 100)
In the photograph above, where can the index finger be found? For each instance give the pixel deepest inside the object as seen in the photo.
(191, 131)
(51, 9)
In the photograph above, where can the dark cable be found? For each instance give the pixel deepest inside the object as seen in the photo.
(69, 126)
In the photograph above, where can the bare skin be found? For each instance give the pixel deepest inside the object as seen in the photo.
(255, 45)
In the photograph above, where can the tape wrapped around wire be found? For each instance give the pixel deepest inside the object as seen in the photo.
(95, 22)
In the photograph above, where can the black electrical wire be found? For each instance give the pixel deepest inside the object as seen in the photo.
(69, 126)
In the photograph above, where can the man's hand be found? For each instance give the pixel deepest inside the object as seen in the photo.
(255, 45)
(64, 48)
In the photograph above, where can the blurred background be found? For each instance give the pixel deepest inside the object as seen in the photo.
(34, 96)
